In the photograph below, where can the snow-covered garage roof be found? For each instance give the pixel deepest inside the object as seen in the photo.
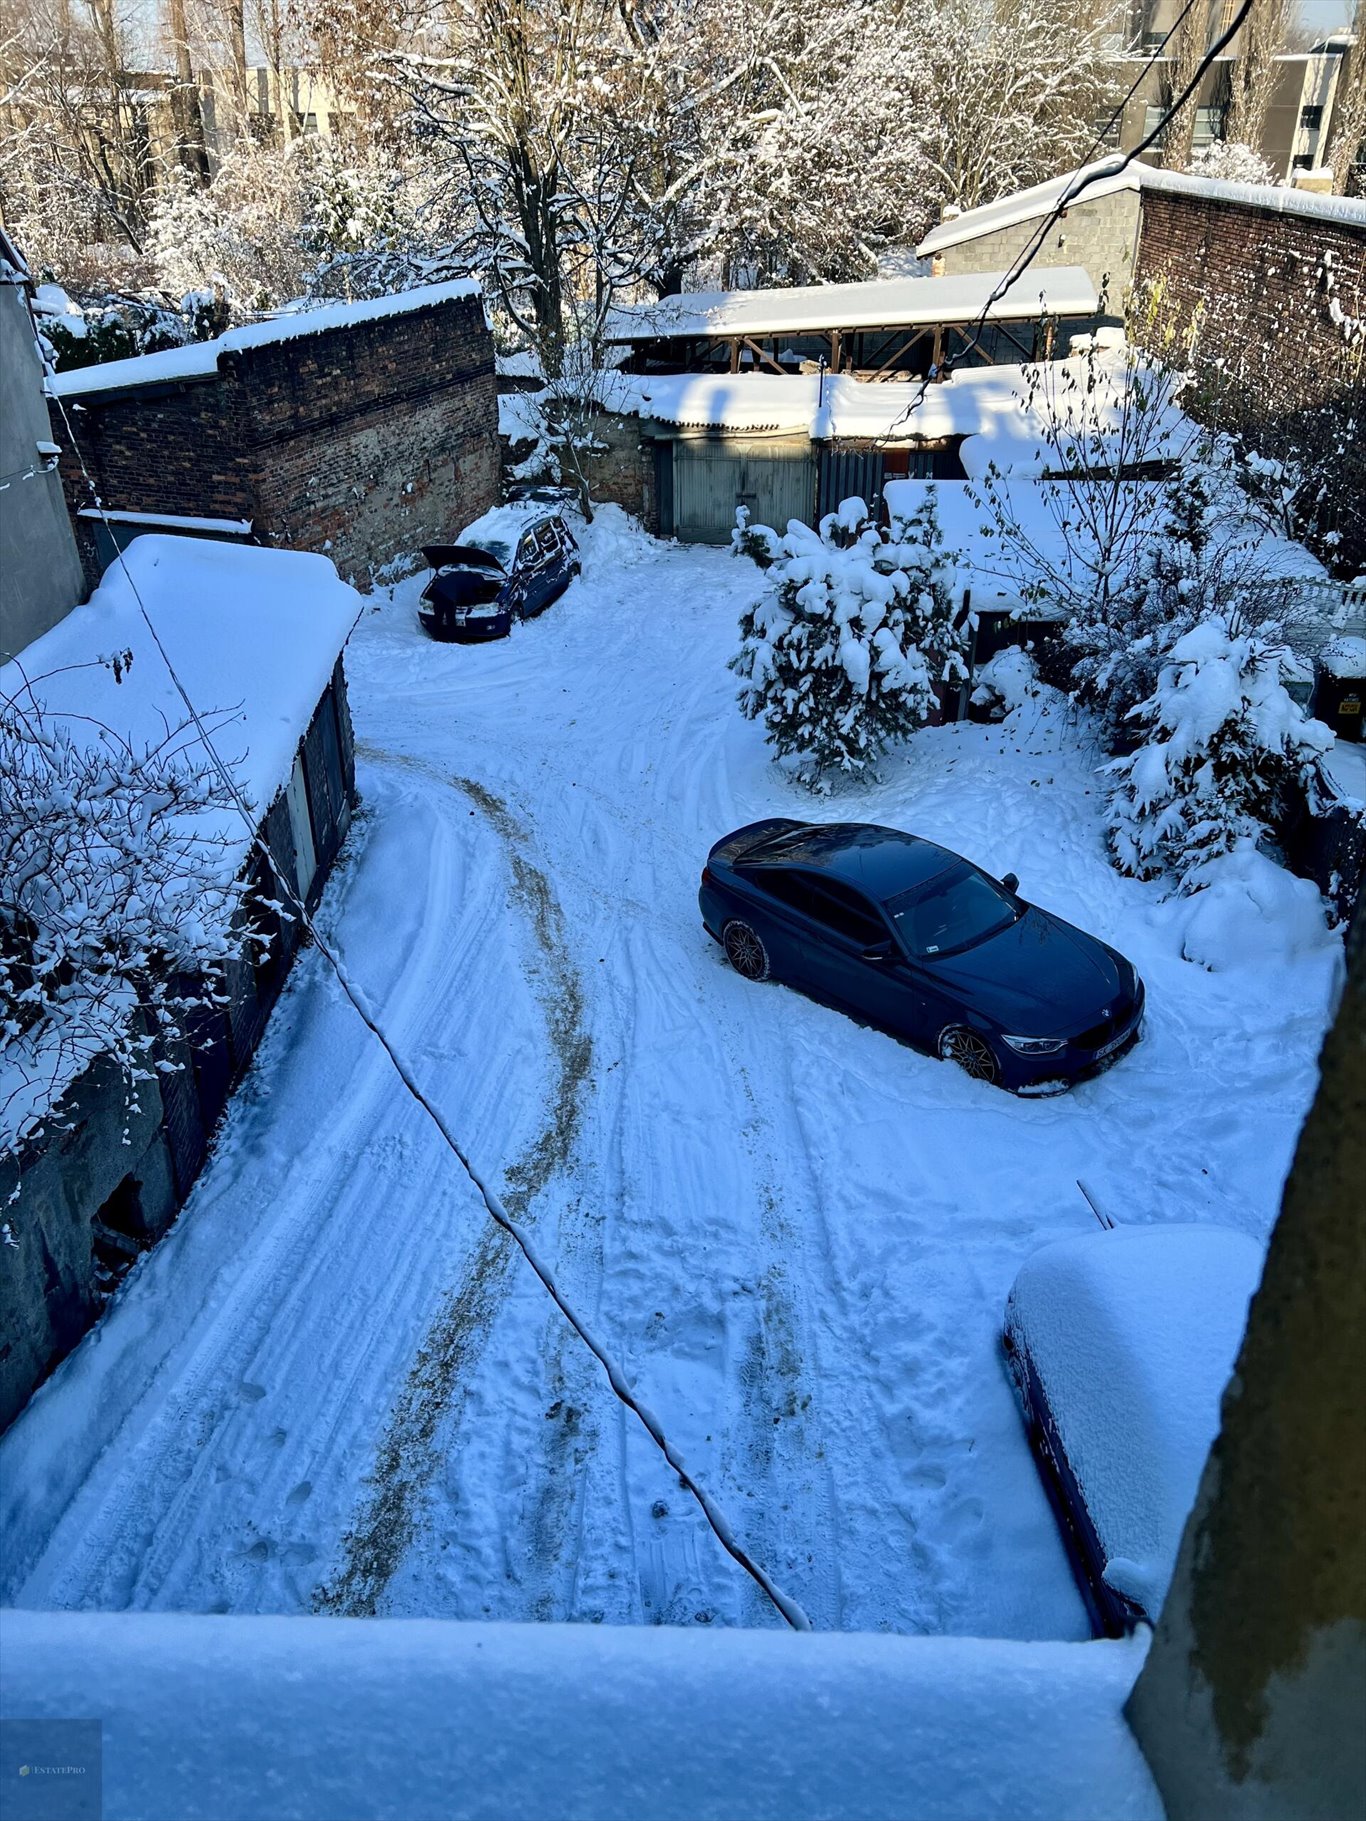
(1104, 178)
(994, 407)
(253, 633)
(880, 304)
(201, 358)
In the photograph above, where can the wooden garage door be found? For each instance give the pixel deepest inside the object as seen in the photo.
(712, 479)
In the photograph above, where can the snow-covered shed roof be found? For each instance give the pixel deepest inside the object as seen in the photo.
(1109, 177)
(879, 304)
(253, 633)
(200, 360)
(1133, 1335)
(995, 407)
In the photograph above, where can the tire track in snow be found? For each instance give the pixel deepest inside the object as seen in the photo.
(385, 1529)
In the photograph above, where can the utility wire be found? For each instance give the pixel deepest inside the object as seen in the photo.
(1081, 180)
(788, 1607)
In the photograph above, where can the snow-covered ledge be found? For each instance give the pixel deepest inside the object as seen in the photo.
(418, 1719)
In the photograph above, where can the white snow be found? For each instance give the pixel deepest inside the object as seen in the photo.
(991, 406)
(333, 1386)
(1344, 656)
(1250, 913)
(1133, 1335)
(169, 521)
(1344, 765)
(1040, 508)
(199, 360)
(253, 632)
(313, 1720)
(876, 304)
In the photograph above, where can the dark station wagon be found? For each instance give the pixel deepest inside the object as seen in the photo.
(509, 565)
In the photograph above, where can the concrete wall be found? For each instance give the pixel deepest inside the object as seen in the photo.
(1101, 236)
(106, 1177)
(1250, 1706)
(40, 572)
(364, 441)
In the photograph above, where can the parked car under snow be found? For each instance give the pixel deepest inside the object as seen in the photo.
(1120, 1345)
(908, 936)
(508, 565)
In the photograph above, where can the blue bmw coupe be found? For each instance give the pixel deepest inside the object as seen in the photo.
(912, 938)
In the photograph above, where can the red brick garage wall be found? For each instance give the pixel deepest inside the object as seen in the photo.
(1282, 335)
(365, 440)
(376, 439)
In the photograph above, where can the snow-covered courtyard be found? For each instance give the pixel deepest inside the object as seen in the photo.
(336, 1387)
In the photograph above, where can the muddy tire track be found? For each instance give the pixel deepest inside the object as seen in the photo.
(407, 1460)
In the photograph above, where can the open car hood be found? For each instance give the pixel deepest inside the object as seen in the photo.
(461, 556)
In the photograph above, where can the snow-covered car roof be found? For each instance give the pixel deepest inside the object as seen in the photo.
(1133, 1335)
(504, 525)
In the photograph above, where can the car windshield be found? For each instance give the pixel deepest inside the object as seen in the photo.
(498, 549)
(956, 910)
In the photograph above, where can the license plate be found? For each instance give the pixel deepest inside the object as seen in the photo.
(1116, 1043)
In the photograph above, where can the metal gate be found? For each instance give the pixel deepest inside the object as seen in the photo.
(712, 479)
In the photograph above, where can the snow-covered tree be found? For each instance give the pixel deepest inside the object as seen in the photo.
(831, 658)
(1230, 161)
(120, 904)
(1221, 743)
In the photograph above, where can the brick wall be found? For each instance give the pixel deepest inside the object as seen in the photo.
(365, 440)
(1272, 363)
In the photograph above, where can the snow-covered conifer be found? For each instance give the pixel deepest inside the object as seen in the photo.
(831, 655)
(1222, 740)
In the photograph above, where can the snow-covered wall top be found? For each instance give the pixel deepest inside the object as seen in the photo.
(277, 1717)
(253, 633)
(879, 304)
(1104, 179)
(200, 359)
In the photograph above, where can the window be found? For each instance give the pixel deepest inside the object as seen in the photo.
(1209, 127)
(839, 907)
(527, 556)
(1311, 118)
(848, 912)
(956, 910)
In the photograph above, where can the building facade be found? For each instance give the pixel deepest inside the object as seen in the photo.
(40, 572)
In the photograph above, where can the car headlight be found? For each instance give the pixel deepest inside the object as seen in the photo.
(1036, 1046)
(484, 613)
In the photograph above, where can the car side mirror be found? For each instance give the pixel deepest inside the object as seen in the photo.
(1011, 882)
(880, 951)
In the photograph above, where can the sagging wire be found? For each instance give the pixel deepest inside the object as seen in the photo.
(789, 1609)
(1081, 181)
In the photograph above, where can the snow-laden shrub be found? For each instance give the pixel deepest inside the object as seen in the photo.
(1222, 741)
(1231, 162)
(1249, 912)
(97, 326)
(845, 649)
(120, 906)
(1006, 682)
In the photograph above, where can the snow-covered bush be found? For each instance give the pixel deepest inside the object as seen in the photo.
(1231, 162)
(1006, 682)
(1222, 741)
(118, 912)
(110, 325)
(843, 651)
